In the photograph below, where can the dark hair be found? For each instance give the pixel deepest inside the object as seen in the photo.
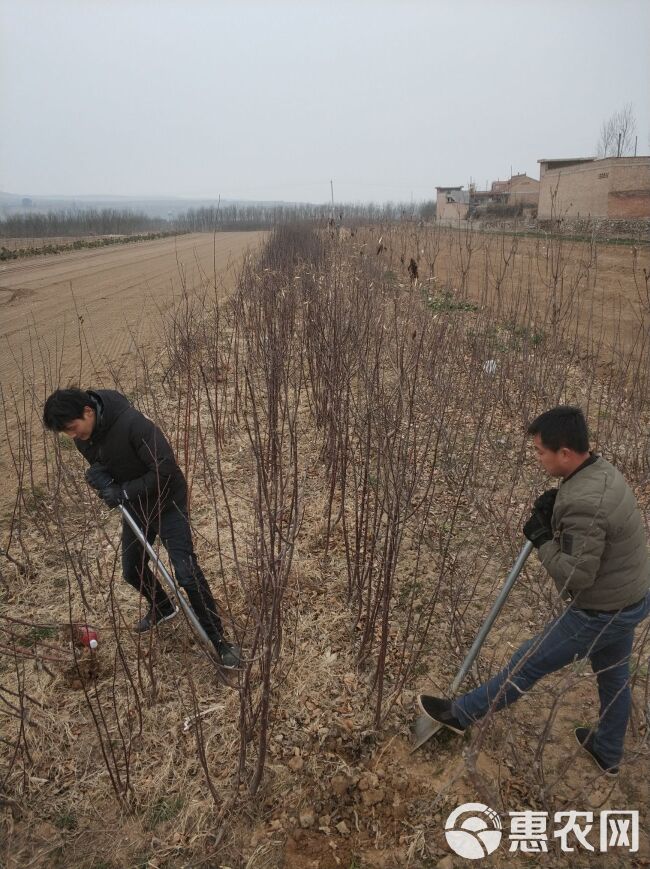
(562, 427)
(63, 406)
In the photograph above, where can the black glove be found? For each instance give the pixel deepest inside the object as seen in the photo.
(545, 502)
(99, 477)
(538, 528)
(112, 495)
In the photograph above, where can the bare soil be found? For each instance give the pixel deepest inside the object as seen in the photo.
(69, 318)
(605, 286)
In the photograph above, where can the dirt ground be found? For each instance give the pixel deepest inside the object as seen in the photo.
(534, 278)
(69, 317)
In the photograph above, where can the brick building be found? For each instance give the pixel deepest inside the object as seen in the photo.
(561, 163)
(523, 190)
(615, 187)
(452, 203)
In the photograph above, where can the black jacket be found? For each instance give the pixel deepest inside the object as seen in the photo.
(136, 453)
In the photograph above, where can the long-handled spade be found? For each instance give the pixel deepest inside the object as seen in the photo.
(424, 727)
(172, 588)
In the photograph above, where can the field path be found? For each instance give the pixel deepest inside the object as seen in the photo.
(69, 317)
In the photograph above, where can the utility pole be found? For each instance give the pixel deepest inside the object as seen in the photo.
(618, 152)
(332, 190)
(636, 139)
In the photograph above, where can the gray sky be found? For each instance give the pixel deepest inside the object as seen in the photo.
(271, 100)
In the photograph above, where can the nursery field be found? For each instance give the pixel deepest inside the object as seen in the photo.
(350, 411)
(601, 287)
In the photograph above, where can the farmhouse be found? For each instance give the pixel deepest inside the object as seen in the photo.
(523, 190)
(576, 187)
(452, 203)
(614, 187)
(518, 190)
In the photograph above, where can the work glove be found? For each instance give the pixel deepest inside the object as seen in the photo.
(538, 528)
(99, 477)
(112, 495)
(545, 502)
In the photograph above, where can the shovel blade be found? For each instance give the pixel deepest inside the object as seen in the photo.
(423, 729)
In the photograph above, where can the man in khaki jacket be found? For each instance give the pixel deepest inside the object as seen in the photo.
(589, 536)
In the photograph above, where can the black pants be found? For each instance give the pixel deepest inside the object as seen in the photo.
(173, 528)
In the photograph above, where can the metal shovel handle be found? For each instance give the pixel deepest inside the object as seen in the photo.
(170, 582)
(425, 727)
(471, 656)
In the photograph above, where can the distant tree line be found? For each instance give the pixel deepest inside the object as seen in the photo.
(266, 216)
(109, 221)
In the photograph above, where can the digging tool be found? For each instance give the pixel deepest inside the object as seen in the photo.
(171, 586)
(424, 728)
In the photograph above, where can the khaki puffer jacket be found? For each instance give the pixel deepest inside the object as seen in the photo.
(598, 555)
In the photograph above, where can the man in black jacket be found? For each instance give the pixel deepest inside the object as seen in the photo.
(132, 463)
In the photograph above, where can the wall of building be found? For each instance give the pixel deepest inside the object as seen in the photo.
(523, 191)
(613, 187)
(576, 191)
(629, 189)
(451, 210)
(548, 165)
(452, 203)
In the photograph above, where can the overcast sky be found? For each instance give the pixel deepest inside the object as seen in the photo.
(271, 100)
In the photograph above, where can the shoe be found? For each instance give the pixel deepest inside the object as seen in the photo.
(155, 617)
(584, 737)
(230, 655)
(440, 710)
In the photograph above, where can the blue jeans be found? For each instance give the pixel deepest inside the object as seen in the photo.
(605, 638)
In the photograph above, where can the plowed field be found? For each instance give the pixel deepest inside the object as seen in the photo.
(111, 290)
(68, 317)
